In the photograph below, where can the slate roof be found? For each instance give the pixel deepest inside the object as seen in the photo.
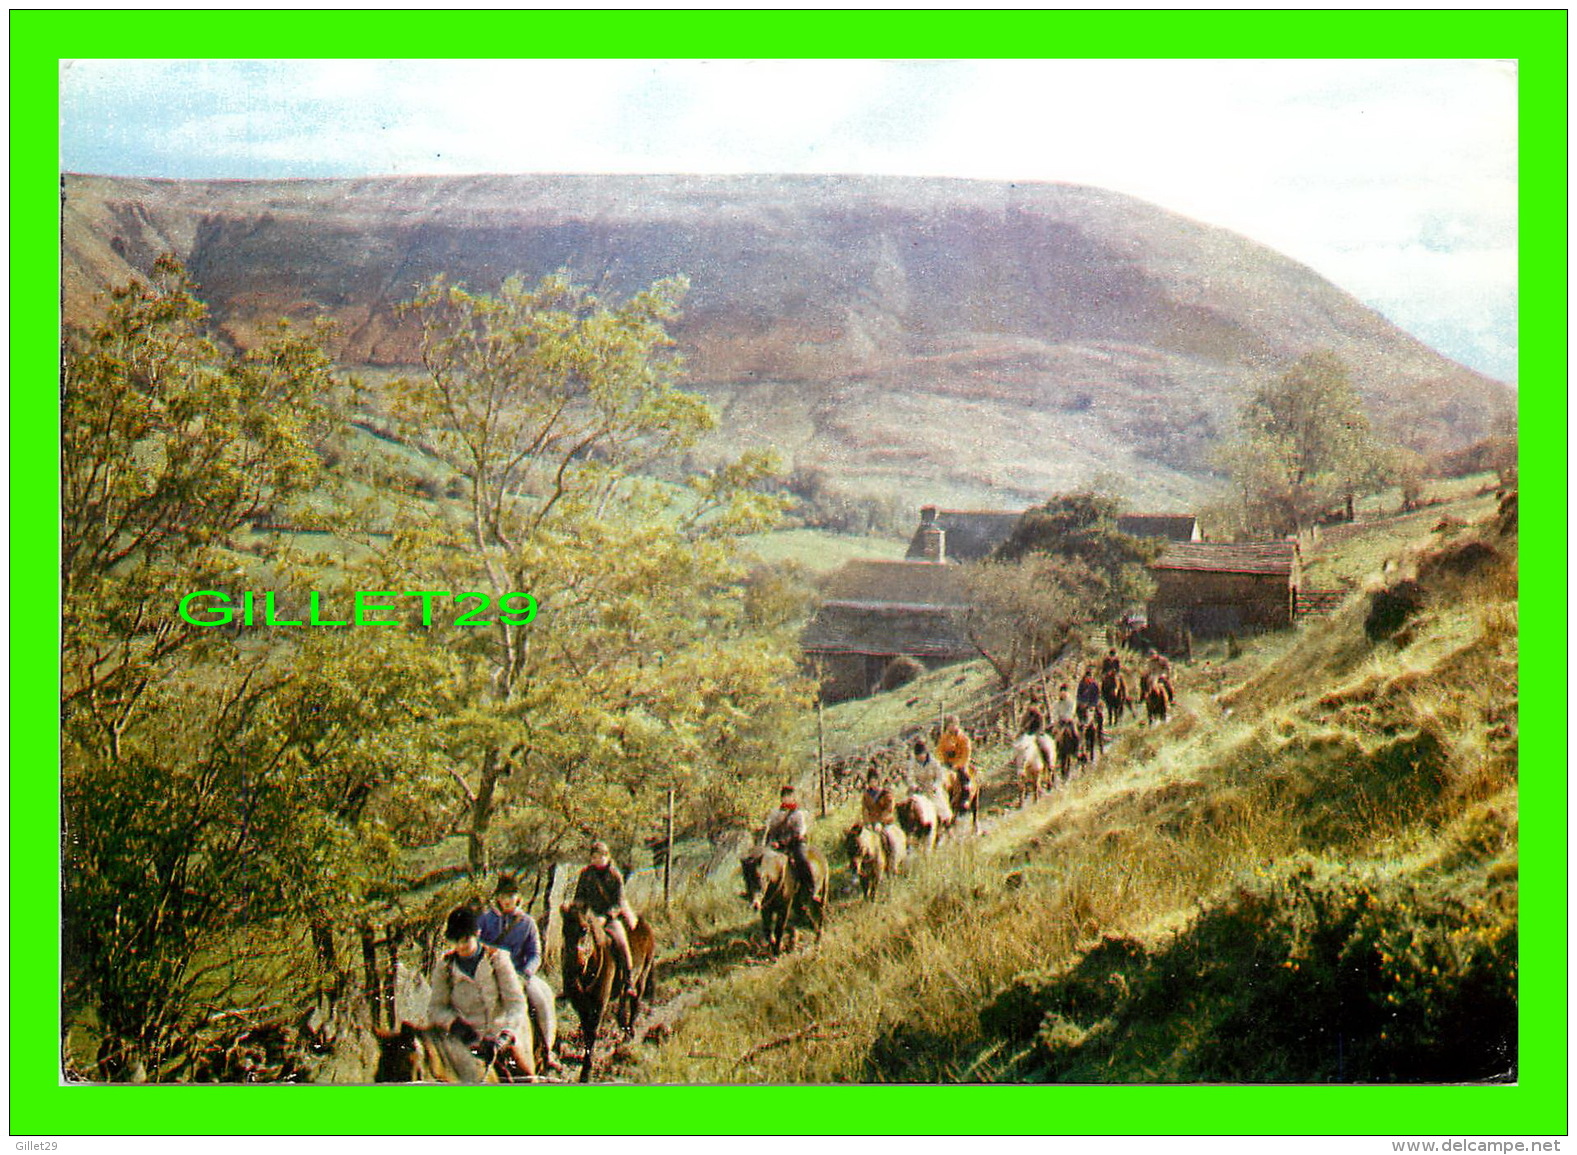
(875, 628)
(890, 607)
(909, 583)
(1172, 526)
(971, 533)
(1269, 557)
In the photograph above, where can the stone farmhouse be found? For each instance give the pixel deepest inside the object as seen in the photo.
(960, 534)
(875, 612)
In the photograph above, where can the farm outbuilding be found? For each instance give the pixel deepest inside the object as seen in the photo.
(876, 611)
(1212, 589)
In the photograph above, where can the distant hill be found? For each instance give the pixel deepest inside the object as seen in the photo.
(941, 339)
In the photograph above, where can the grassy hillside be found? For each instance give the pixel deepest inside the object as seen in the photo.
(1309, 874)
(820, 551)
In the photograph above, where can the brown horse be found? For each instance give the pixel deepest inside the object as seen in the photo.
(591, 968)
(773, 888)
(962, 799)
(1092, 733)
(1157, 695)
(917, 815)
(874, 851)
(867, 852)
(428, 1055)
(1114, 693)
(1067, 739)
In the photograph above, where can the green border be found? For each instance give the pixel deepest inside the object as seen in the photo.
(1537, 1105)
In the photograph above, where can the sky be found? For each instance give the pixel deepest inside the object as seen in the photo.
(1396, 180)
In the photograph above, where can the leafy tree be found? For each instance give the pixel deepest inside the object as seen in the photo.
(209, 781)
(168, 447)
(641, 670)
(1106, 568)
(1304, 444)
(1065, 564)
(1408, 469)
(1022, 614)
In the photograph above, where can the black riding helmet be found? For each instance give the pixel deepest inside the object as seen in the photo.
(461, 924)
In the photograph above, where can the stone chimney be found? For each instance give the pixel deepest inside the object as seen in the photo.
(933, 543)
(927, 514)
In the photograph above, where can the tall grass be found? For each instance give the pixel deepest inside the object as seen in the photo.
(1197, 905)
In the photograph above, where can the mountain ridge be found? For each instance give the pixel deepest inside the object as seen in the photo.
(987, 341)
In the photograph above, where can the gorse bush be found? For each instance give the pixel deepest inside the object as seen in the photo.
(1390, 608)
(1312, 974)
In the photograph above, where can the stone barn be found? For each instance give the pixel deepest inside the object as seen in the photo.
(876, 611)
(1212, 589)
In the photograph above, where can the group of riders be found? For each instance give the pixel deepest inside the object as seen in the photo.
(488, 980)
(946, 781)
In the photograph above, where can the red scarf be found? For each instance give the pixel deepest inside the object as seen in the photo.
(789, 806)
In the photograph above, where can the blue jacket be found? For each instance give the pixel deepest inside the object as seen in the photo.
(516, 933)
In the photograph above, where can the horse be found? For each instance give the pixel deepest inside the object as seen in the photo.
(773, 888)
(1157, 695)
(868, 856)
(897, 843)
(415, 1054)
(1092, 733)
(591, 968)
(1114, 693)
(1066, 737)
(1029, 763)
(942, 804)
(962, 800)
(919, 820)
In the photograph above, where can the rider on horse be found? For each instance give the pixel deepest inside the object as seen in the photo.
(877, 803)
(954, 748)
(1063, 712)
(507, 926)
(476, 993)
(1111, 664)
(1032, 753)
(1089, 692)
(1160, 670)
(925, 776)
(788, 828)
(600, 888)
(879, 808)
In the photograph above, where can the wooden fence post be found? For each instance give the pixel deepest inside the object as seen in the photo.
(668, 848)
(821, 760)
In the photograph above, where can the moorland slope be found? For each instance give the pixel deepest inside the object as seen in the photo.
(992, 342)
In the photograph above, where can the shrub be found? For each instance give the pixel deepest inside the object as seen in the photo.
(1471, 557)
(901, 671)
(1316, 975)
(1390, 608)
